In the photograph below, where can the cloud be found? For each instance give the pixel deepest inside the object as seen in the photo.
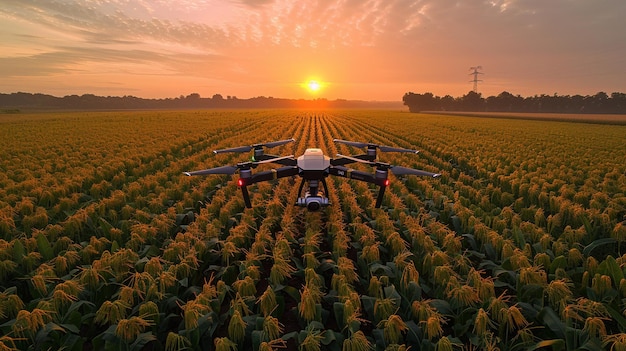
(392, 42)
(253, 3)
(92, 35)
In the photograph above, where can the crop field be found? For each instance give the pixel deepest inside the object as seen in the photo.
(560, 117)
(106, 245)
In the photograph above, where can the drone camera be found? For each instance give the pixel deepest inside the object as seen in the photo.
(313, 203)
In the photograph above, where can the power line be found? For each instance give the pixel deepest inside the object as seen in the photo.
(476, 73)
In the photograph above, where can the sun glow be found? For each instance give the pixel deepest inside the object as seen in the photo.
(313, 86)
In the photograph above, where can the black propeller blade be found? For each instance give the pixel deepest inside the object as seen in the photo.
(382, 148)
(217, 170)
(397, 170)
(371, 163)
(233, 169)
(276, 159)
(255, 146)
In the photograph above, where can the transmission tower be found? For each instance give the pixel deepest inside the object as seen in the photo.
(475, 72)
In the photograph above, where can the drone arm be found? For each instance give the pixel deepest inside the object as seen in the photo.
(381, 180)
(279, 160)
(354, 174)
(344, 161)
(248, 179)
(272, 174)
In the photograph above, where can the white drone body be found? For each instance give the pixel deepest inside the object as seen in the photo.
(313, 160)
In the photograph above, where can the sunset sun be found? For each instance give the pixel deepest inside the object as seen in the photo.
(313, 86)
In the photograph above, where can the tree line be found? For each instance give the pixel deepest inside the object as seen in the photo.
(15, 102)
(507, 102)
(471, 102)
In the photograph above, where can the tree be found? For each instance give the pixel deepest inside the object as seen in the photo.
(420, 102)
(472, 101)
(504, 102)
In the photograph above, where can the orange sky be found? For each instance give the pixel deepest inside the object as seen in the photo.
(366, 50)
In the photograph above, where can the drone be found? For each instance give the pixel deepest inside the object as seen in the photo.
(313, 167)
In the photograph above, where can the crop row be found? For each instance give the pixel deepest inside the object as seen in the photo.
(106, 245)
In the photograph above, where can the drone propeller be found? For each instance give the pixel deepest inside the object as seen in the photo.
(232, 169)
(382, 148)
(217, 170)
(397, 170)
(255, 146)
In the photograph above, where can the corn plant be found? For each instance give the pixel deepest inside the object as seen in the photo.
(104, 244)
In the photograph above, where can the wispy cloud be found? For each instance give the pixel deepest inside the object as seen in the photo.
(396, 43)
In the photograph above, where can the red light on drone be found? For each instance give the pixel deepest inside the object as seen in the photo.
(240, 182)
(387, 182)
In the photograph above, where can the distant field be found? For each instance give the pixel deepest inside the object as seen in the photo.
(564, 117)
(105, 244)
